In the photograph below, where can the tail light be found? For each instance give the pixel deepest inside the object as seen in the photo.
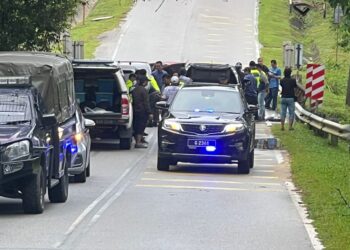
(125, 105)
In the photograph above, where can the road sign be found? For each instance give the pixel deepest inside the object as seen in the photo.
(338, 14)
(315, 76)
(288, 54)
(298, 55)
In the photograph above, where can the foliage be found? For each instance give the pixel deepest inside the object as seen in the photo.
(345, 24)
(33, 24)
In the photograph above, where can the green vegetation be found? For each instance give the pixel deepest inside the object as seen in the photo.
(318, 36)
(320, 171)
(90, 31)
(34, 25)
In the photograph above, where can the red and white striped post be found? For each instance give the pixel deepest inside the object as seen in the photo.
(315, 76)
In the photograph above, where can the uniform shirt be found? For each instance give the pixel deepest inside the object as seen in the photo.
(288, 85)
(250, 86)
(170, 92)
(158, 75)
(140, 100)
(274, 81)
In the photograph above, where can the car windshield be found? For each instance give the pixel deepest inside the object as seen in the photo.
(14, 108)
(206, 100)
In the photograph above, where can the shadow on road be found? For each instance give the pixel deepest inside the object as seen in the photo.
(205, 169)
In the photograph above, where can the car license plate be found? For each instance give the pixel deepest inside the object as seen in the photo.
(194, 143)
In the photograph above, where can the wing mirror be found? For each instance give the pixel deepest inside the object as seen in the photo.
(49, 120)
(162, 105)
(89, 123)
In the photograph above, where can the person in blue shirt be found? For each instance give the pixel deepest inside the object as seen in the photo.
(274, 79)
(159, 73)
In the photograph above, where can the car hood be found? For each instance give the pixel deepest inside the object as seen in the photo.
(10, 133)
(199, 117)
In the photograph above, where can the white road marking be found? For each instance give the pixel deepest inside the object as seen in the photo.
(211, 181)
(214, 17)
(303, 213)
(209, 188)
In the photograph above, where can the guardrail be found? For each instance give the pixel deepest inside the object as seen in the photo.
(333, 129)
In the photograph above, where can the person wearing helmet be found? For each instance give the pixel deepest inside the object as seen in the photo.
(170, 91)
(240, 73)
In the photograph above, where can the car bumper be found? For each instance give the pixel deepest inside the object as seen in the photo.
(229, 148)
(16, 170)
(79, 161)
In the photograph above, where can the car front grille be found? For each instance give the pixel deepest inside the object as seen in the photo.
(202, 128)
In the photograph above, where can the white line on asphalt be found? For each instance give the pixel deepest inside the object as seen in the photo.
(92, 206)
(263, 171)
(210, 181)
(213, 28)
(256, 27)
(214, 17)
(215, 34)
(209, 188)
(310, 229)
(214, 40)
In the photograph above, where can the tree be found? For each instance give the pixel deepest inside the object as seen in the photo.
(34, 24)
(345, 24)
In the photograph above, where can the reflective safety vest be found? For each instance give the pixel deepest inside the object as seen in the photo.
(129, 84)
(256, 74)
(154, 83)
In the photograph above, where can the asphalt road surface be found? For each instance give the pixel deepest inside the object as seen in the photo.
(127, 203)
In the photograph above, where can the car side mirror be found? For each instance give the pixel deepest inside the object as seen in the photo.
(49, 120)
(162, 105)
(89, 123)
(252, 108)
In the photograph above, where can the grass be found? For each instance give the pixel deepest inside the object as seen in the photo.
(319, 40)
(320, 170)
(90, 31)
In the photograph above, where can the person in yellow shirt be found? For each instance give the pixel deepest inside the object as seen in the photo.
(131, 81)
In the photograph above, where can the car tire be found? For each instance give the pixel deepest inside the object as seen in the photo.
(244, 166)
(88, 170)
(251, 159)
(81, 178)
(125, 143)
(163, 164)
(33, 191)
(59, 193)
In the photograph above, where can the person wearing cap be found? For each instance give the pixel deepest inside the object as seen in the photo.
(142, 111)
(170, 91)
(240, 73)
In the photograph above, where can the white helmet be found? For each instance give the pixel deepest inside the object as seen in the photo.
(174, 79)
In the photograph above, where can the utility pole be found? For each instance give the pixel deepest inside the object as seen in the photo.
(348, 92)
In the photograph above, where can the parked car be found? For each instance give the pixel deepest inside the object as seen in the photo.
(103, 97)
(207, 124)
(212, 73)
(131, 67)
(80, 167)
(37, 123)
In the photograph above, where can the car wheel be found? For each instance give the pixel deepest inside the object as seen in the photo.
(163, 164)
(81, 178)
(244, 166)
(125, 143)
(59, 193)
(34, 194)
(251, 159)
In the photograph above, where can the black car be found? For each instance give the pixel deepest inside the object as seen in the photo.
(207, 124)
(37, 123)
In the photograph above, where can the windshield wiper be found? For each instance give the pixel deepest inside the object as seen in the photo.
(15, 122)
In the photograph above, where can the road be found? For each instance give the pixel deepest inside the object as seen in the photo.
(127, 203)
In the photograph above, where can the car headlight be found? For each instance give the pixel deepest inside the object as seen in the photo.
(232, 128)
(16, 150)
(172, 125)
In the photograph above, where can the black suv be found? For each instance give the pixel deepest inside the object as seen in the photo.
(207, 124)
(37, 123)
